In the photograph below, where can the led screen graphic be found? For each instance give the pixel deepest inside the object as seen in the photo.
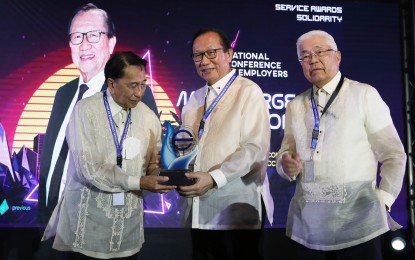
(36, 61)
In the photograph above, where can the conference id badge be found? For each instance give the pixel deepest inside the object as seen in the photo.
(118, 199)
(309, 171)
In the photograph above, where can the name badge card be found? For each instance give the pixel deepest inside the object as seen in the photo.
(118, 199)
(309, 171)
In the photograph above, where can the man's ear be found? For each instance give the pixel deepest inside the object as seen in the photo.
(230, 53)
(112, 42)
(338, 57)
(110, 84)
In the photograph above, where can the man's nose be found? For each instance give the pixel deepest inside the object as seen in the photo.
(139, 92)
(85, 45)
(204, 59)
(313, 57)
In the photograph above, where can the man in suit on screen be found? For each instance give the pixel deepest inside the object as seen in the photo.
(92, 41)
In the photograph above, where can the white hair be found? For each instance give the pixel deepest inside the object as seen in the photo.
(319, 33)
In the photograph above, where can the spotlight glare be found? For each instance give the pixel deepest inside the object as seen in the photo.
(398, 243)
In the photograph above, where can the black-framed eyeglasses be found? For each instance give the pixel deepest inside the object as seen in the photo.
(77, 38)
(210, 54)
(306, 57)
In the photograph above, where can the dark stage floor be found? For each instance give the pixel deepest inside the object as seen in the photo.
(162, 244)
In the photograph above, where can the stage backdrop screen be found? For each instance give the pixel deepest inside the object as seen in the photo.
(36, 61)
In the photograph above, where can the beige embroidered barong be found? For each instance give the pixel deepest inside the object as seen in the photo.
(85, 219)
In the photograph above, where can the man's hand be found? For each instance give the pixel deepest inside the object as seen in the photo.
(155, 171)
(291, 164)
(152, 183)
(155, 160)
(154, 165)
(204, 182)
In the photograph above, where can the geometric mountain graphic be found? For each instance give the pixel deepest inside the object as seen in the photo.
(5, 160)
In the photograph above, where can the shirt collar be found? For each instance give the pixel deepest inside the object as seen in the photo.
(331, 85)
(218, 86)
(114, 107)
(95, 84)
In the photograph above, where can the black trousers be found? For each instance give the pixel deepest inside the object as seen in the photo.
(226, 244)
(79, 256)
(370, 250)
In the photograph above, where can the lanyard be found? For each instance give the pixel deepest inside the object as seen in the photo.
(314, 135)
(214, 103)
(118, 145)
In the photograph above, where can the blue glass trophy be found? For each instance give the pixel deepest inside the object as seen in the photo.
(178, 151)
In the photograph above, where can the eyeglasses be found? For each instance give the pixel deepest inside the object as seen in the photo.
(306, 57)
(77, 38)
(210, 54)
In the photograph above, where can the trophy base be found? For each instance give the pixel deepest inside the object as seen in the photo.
(176, 178)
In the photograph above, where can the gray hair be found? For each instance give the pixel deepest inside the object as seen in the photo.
(319, 33)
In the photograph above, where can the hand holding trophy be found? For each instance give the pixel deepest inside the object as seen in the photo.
(178, 150)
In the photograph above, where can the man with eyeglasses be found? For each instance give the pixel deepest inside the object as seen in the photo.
(335, 135)
(92, 41)
(231, 118)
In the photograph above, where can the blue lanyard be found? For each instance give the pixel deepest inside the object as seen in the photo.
(214, 103)
(118, 145)
(316, 129)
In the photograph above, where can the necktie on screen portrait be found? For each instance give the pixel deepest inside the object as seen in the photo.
(82, 89)
(53, 196)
